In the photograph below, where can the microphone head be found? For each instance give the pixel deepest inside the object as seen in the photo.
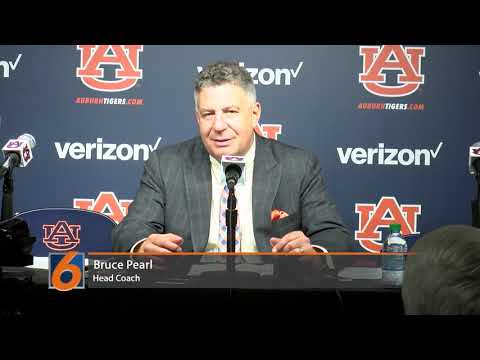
(22, 146)
(473, 156)
(28, 138)
(233, 167)
(233, 172)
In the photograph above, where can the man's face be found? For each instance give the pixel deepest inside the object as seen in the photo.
(226, 117)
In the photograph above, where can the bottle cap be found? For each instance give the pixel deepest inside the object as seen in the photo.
(395, 228)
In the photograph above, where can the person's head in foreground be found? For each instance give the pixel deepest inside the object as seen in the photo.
(443, 277)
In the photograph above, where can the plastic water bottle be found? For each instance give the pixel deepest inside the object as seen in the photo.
(393, 266)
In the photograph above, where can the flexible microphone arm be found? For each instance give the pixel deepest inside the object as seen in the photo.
(11, 162)
(7, 199)
(3, 171)
(231, 215)
(233, 172)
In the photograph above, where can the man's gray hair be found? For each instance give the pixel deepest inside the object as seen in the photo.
(224, 72)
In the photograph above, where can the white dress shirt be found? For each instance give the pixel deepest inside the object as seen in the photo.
(243, 193)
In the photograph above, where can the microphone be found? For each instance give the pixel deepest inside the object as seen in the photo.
(233, 168)
(17, 152)
(473, 159)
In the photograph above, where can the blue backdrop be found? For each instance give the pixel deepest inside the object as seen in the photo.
(391, 125)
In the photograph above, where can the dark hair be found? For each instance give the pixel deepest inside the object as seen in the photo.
(224, 72)
(443, 277)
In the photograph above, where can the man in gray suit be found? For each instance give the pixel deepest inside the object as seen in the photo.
(282, 202)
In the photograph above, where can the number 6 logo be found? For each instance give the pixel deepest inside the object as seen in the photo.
(66, 271)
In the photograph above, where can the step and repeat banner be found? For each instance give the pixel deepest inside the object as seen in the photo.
(390, 124)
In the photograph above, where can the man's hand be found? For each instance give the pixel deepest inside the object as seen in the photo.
(297, 242)
(160, 243)
(293, 242)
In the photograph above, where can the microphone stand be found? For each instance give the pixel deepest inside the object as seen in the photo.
(7, 200)
(231, 222)
(6, 170)
(476, 205)
(15, 239)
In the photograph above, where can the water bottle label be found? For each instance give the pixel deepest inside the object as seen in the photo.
(394, 262)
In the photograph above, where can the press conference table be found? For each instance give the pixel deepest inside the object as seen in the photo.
(25, 294)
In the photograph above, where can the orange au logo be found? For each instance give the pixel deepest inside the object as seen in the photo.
(387, 211)
(61, 236)
(126, 57)
(377, 60)
(106, 203)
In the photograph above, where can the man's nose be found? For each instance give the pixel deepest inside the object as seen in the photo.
(219, 124)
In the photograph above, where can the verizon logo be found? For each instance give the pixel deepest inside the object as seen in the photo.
(270, 76)
(104, 151)
(8, 65)
(388, 156)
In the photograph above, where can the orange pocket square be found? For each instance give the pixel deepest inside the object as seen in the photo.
(278, 214)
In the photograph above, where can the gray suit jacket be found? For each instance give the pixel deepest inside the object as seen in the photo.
(176, 189)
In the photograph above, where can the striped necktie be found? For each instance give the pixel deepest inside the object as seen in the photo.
(222, 234)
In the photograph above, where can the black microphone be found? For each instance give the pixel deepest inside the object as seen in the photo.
(233, 167)
(474, 169)
(232, 174)
(473, 159)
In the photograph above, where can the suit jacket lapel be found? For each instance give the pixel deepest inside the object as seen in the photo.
(266, 179)
(198, 183)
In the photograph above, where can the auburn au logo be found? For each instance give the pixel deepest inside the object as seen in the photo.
(377, 60)
(14, 144)
(372, 217)
(270, 131)
(126, 57)
(61, 236)
(26, 153)
(106, 203)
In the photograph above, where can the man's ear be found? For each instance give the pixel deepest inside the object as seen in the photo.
(197, 116)
(256, 112)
